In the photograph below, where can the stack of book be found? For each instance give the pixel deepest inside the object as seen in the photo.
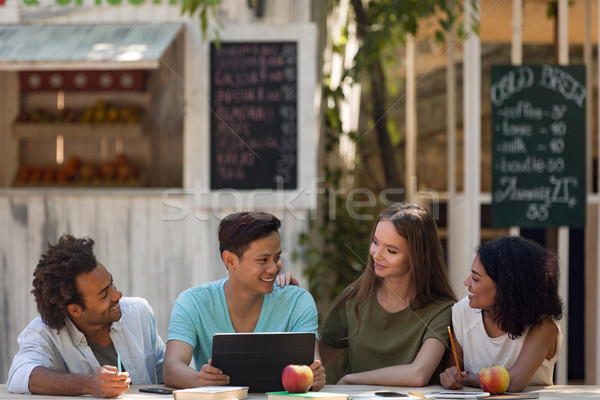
(212, 393)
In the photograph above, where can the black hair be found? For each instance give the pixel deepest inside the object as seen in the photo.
(526, 277)
(54, 283)
(237, 231)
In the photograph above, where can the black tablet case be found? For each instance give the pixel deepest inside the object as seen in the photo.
(257, 360)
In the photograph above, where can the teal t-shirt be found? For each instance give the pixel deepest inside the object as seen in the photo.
(201, 311)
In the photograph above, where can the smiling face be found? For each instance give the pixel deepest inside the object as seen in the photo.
(258, 267)
(100, 297)
(482, 289)
(390, 252)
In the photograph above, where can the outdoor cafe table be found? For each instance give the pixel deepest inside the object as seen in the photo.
(549, 392)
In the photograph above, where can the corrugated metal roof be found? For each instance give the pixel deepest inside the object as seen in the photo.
(44, 47)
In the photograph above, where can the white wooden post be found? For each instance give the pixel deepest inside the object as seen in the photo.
(516, 58)
(451, 116)
(597, 300)
(411, 121)
(591, 231)
(464, 214)
(563, 231)
(472, 133)
(454, 239)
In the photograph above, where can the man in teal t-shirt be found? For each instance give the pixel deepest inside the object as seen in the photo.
(247, 301)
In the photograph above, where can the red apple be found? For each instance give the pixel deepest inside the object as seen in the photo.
(297, 378)
(494, 379)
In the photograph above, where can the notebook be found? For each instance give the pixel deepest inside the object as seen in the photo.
(306, 396)
(257, 360)
(457, 394)
(389, 396)
(515, 396)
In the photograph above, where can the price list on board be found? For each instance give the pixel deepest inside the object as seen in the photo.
(538, 146)
(254, 115)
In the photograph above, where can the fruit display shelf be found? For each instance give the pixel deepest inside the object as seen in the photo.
(120, 172)
(136, 182)
(76, 130)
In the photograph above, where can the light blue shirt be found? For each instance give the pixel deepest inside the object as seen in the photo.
(202, 311)
(134, 336)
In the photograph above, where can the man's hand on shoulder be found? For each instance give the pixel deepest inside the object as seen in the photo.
(108, 382)
(283, 280)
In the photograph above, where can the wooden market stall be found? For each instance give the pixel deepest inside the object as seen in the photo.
(106, 130)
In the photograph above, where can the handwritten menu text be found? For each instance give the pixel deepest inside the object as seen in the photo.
(254, 115)
(538, 145)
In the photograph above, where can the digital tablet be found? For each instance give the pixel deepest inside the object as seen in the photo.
(461, 395)
(257, 360)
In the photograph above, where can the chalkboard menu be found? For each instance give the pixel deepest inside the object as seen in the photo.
(253, 126)
(538, 146)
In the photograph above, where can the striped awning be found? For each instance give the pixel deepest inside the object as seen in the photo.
(80, 47)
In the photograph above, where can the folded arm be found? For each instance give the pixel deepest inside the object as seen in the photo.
(105, 382)
(539, 344)
(417, 373)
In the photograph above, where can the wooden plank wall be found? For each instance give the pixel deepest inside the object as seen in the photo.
(148, 254)
(9, 89)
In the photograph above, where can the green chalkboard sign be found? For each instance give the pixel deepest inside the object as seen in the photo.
(538, 146)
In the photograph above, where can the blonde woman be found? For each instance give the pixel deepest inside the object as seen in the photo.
(394, 317)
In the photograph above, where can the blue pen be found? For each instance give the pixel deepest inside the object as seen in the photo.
(119, 362)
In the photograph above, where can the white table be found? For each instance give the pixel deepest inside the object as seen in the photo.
(556, 392)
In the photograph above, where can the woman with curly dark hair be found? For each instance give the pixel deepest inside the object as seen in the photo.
(510, 317)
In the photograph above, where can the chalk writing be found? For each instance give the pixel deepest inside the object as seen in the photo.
(538, 146)
(510, 83)
(556, 79)
(254, 115)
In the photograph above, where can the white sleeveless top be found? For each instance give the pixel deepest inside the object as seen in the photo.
(480, 351)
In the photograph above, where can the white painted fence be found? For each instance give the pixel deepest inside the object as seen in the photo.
(149, 254)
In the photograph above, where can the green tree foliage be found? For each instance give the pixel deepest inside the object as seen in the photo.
(336, 252)
(383, 25)
(340, 253)
(204, 9)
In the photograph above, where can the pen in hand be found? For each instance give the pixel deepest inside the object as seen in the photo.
(119, 362)
(453, 349)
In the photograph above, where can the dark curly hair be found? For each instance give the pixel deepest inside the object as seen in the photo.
(54, 278)
(526, 276)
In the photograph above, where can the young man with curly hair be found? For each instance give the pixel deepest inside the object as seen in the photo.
(85, 329)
